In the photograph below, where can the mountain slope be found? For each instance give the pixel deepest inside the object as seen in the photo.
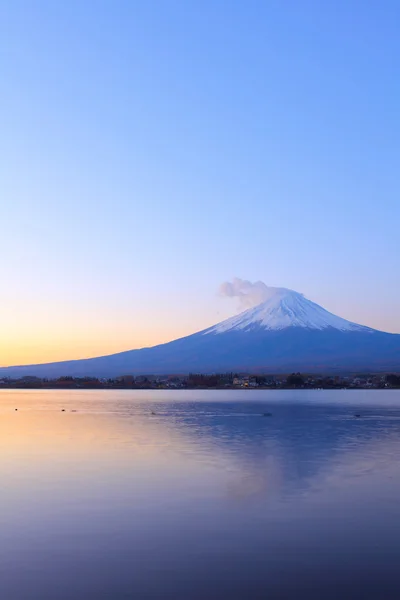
(286, 308)
(286, 332)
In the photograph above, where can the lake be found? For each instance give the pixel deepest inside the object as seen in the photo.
(206, 498)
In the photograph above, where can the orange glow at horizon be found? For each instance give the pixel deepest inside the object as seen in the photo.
(50, 332)
(43, 347)
(46, 350)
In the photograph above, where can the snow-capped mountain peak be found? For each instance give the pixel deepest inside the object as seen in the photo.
(285, 308)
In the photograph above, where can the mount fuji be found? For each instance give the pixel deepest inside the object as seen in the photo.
(287, 332)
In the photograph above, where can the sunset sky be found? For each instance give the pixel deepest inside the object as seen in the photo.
(151, 150)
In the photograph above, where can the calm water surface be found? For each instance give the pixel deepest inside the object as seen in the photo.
(206, 498)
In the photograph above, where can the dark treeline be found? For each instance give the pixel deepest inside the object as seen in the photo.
(211, 381)
(393, 380)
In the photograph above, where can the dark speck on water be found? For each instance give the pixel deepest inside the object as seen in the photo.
(203, 502)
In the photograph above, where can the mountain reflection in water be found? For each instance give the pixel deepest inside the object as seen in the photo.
(204, 498)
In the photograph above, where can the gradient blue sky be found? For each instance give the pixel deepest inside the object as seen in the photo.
(151, 150)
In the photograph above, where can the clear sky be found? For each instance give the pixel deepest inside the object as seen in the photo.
(151, 150)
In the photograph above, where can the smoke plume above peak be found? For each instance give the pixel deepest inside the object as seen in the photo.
(249, 294)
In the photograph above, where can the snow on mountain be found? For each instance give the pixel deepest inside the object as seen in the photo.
(285, 308)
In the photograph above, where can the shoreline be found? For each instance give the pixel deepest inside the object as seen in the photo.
(189, 388)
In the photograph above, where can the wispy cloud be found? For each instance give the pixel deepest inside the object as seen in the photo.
(249, 294)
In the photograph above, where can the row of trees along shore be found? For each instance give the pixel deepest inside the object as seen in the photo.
(213, 381)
